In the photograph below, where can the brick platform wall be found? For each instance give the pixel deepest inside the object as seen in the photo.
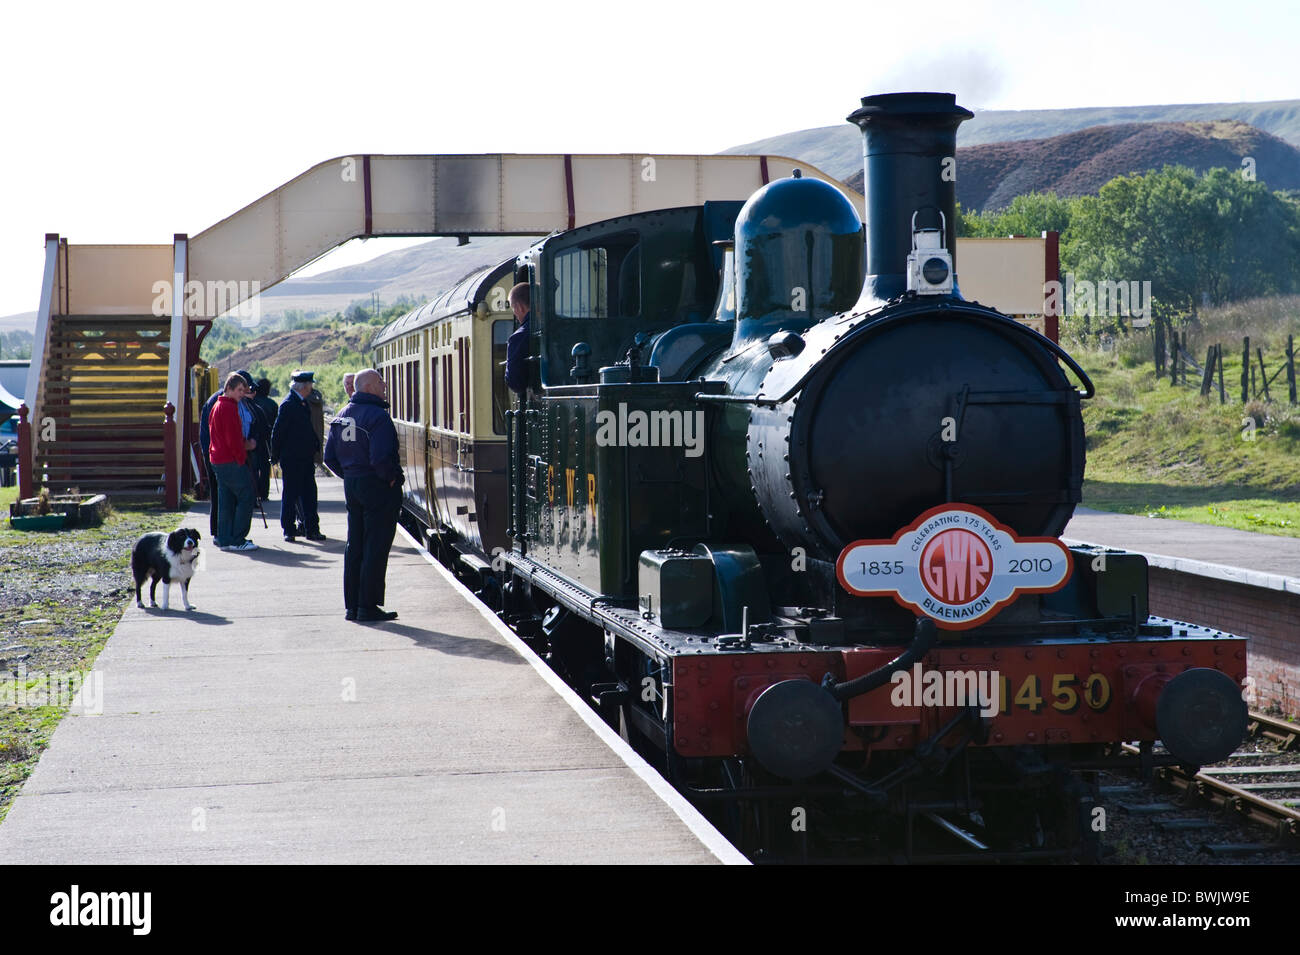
(1270, 618)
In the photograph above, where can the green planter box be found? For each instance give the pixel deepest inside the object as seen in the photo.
(78, 510)
(39, 522)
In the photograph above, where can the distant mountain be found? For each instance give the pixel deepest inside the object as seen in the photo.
(837, 150)
(419, 271)
(1075, 164)
(19, 322)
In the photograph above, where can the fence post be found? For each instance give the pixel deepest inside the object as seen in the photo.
(1159, 347)
(1208, 378)
(1218, 353)
(1263, 373)
(26, 464)
(172, 500)
(1245, 368)
(1173, 357)
(1290, 366)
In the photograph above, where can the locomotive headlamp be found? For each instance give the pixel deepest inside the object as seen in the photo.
(929, 264)
(935, 271)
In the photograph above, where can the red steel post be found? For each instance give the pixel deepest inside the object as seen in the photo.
(172, 493)
(26, 462)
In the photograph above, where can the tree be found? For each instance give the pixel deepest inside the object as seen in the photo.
(1031, 214)
(1210, 238)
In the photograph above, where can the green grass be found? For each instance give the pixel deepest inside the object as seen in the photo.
(73, 632)
(1169, 452)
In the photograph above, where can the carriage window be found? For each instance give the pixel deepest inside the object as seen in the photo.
(501, 331)
(398, 404)
(598, 281)
(433, 390)
(413, 390)
(446, 391)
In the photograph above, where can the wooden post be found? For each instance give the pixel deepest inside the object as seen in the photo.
(1245, 368)
(1263, 374)
(1291, 368)
(1173, 357)
(26, 463)
(172, 497)
(1218, 352)
(1208, 378)
(1159, 338)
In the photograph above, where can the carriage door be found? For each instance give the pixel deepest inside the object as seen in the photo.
(463, 446)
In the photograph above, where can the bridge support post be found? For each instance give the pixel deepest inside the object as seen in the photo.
(53, 294)
(177, 376)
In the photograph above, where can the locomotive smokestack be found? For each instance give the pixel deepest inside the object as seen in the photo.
(909, 145)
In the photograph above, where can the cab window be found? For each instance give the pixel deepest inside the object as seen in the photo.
(501, 331)
(599, 279)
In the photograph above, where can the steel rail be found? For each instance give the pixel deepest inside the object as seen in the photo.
(1258, 809)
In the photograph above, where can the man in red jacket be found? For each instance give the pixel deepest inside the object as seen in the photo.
(228, 453)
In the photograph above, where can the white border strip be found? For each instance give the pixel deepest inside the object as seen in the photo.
(1185, 565)
(701, 827)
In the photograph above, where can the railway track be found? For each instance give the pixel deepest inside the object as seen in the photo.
(1258, 784)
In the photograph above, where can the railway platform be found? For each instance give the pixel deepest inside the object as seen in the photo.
(1263, 560)
(264, 728)
(1238, 581)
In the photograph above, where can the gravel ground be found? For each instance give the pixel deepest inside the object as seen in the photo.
(1139, 838)
(61, 595)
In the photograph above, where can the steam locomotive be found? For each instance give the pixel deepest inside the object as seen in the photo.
(785, 507)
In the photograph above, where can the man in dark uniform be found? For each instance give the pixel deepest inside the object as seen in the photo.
(294, 445)
(517, 344)
(362, 449)
(269, 411)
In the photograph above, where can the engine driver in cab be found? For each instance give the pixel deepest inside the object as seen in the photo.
(517, 346)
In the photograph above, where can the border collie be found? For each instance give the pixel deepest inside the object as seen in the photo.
(165, 557)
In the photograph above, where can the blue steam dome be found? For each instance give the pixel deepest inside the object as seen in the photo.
(799, 257)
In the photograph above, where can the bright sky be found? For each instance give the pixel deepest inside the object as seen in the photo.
(128, 122)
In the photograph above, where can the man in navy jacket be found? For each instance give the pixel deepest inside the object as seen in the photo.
(294, 444)
(362, 449)
(517, 344)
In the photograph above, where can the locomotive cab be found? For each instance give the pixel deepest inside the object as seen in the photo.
(603, 285)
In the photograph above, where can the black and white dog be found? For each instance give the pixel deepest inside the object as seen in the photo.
(165, 557)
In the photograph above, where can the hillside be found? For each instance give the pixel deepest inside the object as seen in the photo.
(306, 348)
(1078, 163)
(837, 150)
(417, 272)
